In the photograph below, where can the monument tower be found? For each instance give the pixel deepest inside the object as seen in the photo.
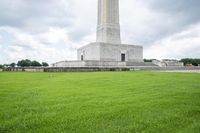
(108, 49)
(108, 28)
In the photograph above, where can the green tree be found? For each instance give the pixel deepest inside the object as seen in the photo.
(6, 65)
(13, 64)
(1, 66)
(35, 63)
(24, 63)
(45, 64)
(194, 62)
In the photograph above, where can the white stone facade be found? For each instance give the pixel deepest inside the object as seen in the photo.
(110, 52)
(108, 28)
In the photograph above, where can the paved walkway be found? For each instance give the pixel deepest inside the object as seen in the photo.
(183, 71)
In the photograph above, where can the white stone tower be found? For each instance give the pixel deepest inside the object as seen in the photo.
(108, 28)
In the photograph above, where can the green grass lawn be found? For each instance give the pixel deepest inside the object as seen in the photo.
(100, 102)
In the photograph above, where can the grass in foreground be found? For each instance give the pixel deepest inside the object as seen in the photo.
(107, 102)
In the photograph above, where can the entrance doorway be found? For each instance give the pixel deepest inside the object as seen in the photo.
(123, 57)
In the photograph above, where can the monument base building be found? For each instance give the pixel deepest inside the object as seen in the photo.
(99, 54)
(110, 52)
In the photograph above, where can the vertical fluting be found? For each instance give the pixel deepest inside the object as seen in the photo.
(108, 29)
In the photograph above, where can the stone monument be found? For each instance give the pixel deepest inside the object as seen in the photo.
(108, 49)
(108, 28)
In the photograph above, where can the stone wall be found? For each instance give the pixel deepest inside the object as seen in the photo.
(110, 52)
(100, 64)
(25, 69)
(172, 63)
(96, 69)
(69, 64)
(84, 69)
(89, 52)
(34, 69)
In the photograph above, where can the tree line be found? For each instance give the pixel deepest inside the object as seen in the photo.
(194, 62)
(26, 63)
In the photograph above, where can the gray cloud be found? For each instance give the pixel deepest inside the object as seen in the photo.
(180, 14)
(33, 15)
(172, 6)
(157, 19)
(184, 11)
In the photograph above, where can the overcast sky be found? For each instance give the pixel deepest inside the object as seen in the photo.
(52, 30)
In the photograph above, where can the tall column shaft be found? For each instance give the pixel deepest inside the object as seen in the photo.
(108, 28)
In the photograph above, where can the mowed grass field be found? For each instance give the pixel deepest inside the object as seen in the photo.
(100, 102)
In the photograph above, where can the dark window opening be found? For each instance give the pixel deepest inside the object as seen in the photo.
(123, 57)
(81, 57)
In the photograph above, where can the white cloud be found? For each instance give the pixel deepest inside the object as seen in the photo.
(40, 47)
(180, 45)
(1, 41)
